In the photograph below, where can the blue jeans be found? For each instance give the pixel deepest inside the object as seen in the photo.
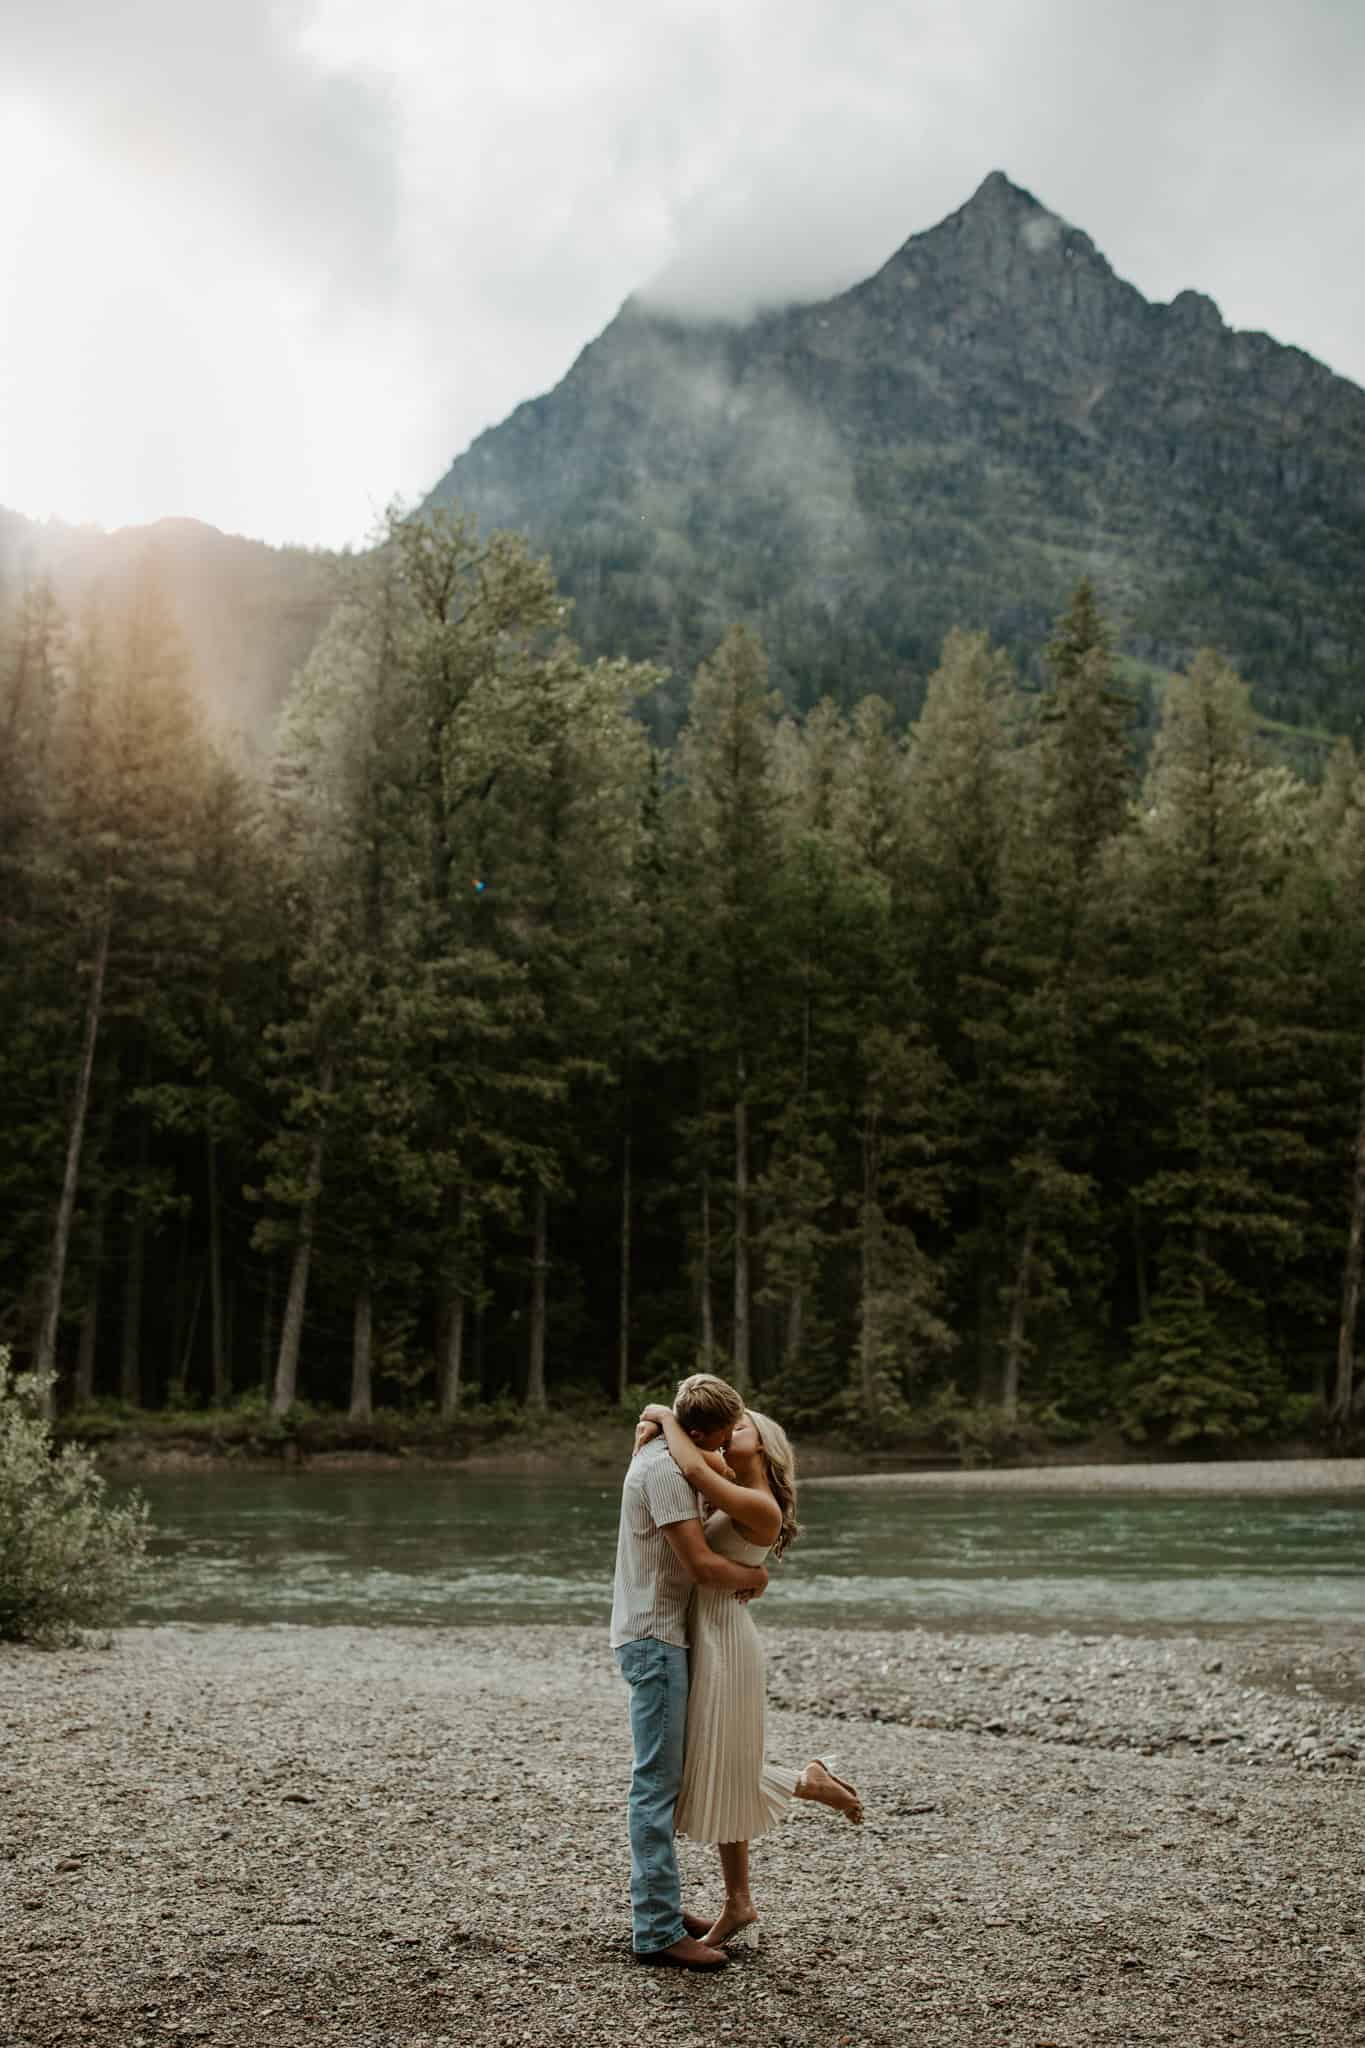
(657, 1676)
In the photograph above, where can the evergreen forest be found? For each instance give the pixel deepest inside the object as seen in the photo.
(481, 1052)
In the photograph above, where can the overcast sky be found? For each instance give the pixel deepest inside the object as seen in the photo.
(269, 262)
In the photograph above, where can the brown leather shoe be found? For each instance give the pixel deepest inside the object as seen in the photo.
(684, 1954)
(696, 1925)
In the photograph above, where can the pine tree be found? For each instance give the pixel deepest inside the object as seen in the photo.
(964, 808)
(127, 754)
(1052, 952)
(1218, 1033)
(817, 910)
(857, 1177)
(724, 832)
(561, 838)
(1340, 845)
(474, 625)
(36, 963)
(637, 1029)
(348, 1060)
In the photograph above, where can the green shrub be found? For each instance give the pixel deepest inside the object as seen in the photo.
(1197, 1381)
(984, 1435)
(669, 1361)
(67, 1561)
(1301, 1415)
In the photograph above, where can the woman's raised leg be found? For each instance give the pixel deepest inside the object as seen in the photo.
(818, 1782)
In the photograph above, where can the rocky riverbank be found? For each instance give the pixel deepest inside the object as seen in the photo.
(399, 1838)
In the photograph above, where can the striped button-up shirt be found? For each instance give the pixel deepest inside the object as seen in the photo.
(652, 1590)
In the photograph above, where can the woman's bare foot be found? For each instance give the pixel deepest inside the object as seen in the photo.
(820, 1784)
(735, 1914)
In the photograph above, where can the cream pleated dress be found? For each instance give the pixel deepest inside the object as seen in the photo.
(730, 1792)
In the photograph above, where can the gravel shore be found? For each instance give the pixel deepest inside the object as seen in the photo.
(408, 1837)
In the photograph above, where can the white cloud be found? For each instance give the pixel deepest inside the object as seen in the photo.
(222, 111)
(268, 265)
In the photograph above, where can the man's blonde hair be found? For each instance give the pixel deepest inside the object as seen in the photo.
(705, 1402)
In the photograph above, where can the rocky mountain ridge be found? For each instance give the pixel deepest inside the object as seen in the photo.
(955, 440)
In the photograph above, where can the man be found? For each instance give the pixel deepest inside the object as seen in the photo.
(660, 1555)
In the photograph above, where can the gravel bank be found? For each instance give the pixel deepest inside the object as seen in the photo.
(1237, 1475)
(277, 1837)
(416, 1838)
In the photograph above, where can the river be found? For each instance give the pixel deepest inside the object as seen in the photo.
(448, 1547)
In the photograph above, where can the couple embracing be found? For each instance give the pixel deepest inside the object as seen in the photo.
(689, 1651)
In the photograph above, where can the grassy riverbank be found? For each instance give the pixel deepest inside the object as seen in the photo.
(399, 1838)
(502, 1436)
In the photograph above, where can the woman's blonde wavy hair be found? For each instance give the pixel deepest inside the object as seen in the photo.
(779, 1461)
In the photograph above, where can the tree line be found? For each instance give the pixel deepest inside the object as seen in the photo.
(483, 1049)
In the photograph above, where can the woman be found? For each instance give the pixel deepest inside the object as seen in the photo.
(729, 1792)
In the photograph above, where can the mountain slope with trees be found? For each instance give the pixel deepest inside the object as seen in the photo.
(955, 441)
(248, 614)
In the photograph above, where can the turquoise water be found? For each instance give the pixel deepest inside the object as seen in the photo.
(435, 1546)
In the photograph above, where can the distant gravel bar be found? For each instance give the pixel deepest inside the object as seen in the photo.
(405, 1837)
(1237, 1475)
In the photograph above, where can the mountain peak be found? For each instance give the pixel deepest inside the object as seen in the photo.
(1005, 247)
(1002, 212)
(998, 191)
